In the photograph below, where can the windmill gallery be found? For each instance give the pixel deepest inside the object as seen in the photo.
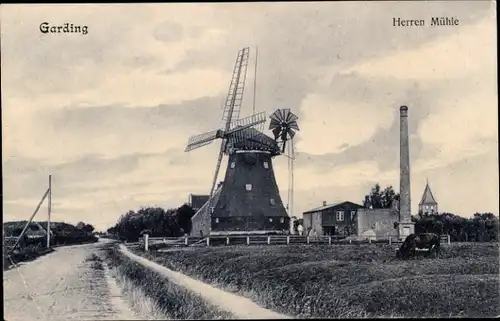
(247, 201)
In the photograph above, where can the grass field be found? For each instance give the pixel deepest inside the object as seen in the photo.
(343, 281)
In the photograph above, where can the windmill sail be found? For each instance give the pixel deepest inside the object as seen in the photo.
(234, 99)
(293, 125)
(217, 167)
(252, 120)
(198, 141)
(233, 103)
(283, 125)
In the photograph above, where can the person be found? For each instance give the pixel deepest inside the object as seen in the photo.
(300, 228)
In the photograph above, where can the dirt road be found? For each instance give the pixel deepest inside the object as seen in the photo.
(63, 285)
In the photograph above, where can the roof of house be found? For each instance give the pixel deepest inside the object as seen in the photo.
(205, 207)
(325, 207)
(427, 197)
(197, 201)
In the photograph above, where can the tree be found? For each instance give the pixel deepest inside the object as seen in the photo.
(380, 198)
(183, 217)
(388, 196)
(481, 227)
(156, 221)
(80, 225)
(88, 228)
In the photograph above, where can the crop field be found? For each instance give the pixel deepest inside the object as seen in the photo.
(342, 281)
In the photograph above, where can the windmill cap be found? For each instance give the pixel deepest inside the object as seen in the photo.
(403, 108)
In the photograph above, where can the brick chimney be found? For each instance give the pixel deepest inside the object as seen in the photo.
(406, 226)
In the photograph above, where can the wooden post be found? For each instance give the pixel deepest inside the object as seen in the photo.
(350, 240)
(390, 240)
(146, 242)
(208, 240)
(49, 208)
(369, 240)
(29, 221)
(248, 240)
(268, 240)
(448, 239)
(329, 240)
(227, 240)
(288, 239)
(307, 239)
(186, 240)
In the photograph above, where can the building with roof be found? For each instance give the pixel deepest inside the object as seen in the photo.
(332, 219)
(378, 223)
(197, 201)
(428, 203)
(350, 219)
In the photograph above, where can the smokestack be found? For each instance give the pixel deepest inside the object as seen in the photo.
(324, 203)
(404, 180)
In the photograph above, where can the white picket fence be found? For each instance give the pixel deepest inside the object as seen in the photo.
(265, 239)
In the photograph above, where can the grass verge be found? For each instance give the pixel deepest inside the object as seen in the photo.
(172, 300)
(349, 280)
(25, 255)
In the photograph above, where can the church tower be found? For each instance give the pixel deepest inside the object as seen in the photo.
(428, 204)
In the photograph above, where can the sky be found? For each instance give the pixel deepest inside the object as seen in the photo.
(109, 113)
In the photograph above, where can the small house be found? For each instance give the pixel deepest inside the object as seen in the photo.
(337, 219)
(197, 201)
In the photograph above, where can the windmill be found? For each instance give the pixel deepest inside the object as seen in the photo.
(283, 125)
(233, 130)
(248, 201)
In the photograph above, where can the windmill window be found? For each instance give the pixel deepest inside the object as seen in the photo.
(216, 220)
(270, 220)
(266, 165)
(282, 220)
(426, 207)
(248, 187)
(340, 215)
(271, 200)
(212, 209)
(233, 164)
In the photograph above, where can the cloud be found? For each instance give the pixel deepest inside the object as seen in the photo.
(95, 187)
(462, 128)
(470, 55)
(109, 113)
(326, 128)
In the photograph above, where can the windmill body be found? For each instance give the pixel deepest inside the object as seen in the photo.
(248, 200)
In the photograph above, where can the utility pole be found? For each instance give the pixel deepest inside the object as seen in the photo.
(49, 205)
(255, 77)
